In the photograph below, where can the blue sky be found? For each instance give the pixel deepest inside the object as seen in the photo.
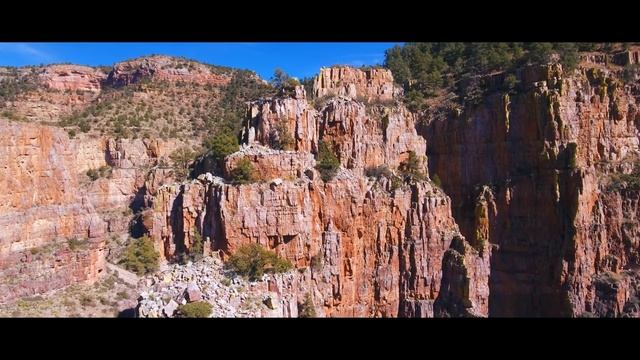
(297, 59)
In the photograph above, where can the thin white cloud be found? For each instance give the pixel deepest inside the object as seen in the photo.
(30, 51)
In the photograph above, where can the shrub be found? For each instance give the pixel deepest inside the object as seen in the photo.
(510, 83)
(101, 172)
(436, 181)
(430, 69)
(86, 300)
(379, 171)
(197, 247)
(306, 309)
(632, 180)
(93, 174)
(140, 256)
(74, 243)
(282, 80)
(572, 153)
(253, 260)
(280, 138)
(316, 262)
(84, 126)
(327, 162)
(198, 309)
(384, 122)
(221, 145)
(412, 168)
(396, 183)
(122, 295)
(243, 173)
(182, 158)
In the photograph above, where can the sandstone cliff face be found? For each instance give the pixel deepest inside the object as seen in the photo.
(380, 246)
(41, 206)
(540, 153)
(364, 139)
(266, 119)
(370, 84)
(272, 164)
(48, 200)
(72, 77)
(53, 91)
(365, 236)
(164, 68)
(40, 201)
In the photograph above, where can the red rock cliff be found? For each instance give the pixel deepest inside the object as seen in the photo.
(40, 208)
(48, 200)
(538, 159)
(381, 245)
(375, 84)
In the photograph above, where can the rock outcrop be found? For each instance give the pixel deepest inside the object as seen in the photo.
(270, 121)
(72, 78)
(541, 155)
(165, 68)
(49, 201)
(373, 84)
(370, 247)
(41, 205)
(272, 164)
(365, 137)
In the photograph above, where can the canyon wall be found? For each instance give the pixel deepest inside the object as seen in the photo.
(48, 201)
(164, 68)
(525, 173)
(364, 246)
(373, 84)
(41, 208)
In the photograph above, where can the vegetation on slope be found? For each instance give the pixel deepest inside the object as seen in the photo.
(455, 69)
(253, 261)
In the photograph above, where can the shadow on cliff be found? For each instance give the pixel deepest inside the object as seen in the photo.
(127, 313)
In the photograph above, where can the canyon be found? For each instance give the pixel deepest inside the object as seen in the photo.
(526, 217)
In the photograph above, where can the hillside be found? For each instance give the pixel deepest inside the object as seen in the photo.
(462, 180)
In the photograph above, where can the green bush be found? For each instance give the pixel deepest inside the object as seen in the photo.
(618, 181)
(280, 138)
(572, 154)
(182, 158)
(93, 174)
(243, 173)
(510, 83)
(436, 181)
(140, 256)
(221, 145)
(412, 168)
(384, 121)
(307, 309)
(327, 162)
(316, 262)
(86, 300)
(253, 261)
(75, 244)
(84, 126)
(435, 68)
(197, 248)
(198, 309)
(101, 172)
